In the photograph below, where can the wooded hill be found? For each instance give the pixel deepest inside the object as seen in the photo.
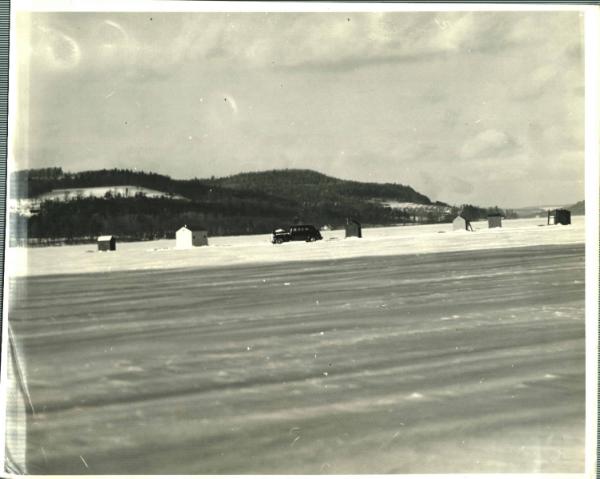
(290, 185)
(308, 185)
(247, 203)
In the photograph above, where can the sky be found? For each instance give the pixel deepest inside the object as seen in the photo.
(484, 108)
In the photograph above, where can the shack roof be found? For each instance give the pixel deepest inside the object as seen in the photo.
(105, 238)
(192, 228)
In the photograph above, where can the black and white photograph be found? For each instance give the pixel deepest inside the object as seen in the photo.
(299, 239)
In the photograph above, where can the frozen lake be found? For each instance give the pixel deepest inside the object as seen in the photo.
(445, 362)
(222, 251)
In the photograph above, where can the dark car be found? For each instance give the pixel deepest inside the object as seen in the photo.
(296, 233)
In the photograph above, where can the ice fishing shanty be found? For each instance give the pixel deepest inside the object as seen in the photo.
(189, 237)
(559, 217)
(461, 223)
(107, 243)
(495, 221)
(353, 228)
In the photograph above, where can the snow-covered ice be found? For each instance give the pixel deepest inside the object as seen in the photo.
(248, 357)
(219, 370)
(223, 251)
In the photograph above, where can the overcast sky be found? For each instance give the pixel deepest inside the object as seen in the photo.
(483, 107)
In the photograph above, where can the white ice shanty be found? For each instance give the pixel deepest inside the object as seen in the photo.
(186, 238)
(461, 223)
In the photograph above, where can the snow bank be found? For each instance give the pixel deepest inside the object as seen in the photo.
(230, 250)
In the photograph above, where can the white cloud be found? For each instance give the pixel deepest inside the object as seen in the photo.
(485, 144)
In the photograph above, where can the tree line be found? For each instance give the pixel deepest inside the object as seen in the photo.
(144, 218)
(249, 203)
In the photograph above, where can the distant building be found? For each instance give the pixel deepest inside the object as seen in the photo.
(353, 228)
(461, 223)
(186, 238)
(559, 217)
(494, 221)
(107, 243)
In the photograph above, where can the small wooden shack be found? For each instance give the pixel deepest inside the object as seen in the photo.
(495, 221)
(107, 243)
(461, 223)
(353, 228)
(186, 238)
(559, 217)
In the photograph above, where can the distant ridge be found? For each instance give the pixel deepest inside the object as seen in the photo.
(299, 184)
(310, 184)
(246, 203)
(578, 208)
(541, 211)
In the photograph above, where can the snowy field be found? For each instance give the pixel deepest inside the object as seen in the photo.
(223, 251)
(25, 205)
